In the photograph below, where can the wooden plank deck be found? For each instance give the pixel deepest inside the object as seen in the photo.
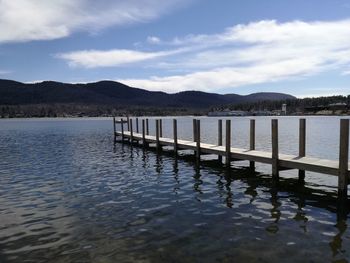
(285, 161)
(278, 161)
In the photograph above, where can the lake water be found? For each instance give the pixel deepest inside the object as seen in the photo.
(67, 194)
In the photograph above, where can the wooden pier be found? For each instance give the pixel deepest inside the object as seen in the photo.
(277, 160)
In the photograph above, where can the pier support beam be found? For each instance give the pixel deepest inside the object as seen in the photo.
(143, 134)
(160, 128)
(228, 143)
(175, 135)
(252, 141)
(131, 132)
(128, 122)
(343, 177)
(147, 127)
(137, 125)
(122, 128)
(194, 129)
(220, 138)
(114, 133)
(198, 140)
(157, 135)
(274, 139)
(302, 147)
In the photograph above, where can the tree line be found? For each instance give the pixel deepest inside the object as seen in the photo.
(86, 110)
(77, 110)
(293, 105)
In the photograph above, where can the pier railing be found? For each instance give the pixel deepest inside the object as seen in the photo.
(277, 160)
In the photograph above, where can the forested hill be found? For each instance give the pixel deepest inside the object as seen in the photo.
(110, 93)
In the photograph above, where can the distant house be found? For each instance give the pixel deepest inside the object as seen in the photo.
(261, 113)
(338, 106)
(284, 109)
(313, 109)
(227, 112)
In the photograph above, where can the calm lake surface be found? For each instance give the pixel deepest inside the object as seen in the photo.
(67, 194)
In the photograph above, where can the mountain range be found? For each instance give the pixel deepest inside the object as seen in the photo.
(117, 94)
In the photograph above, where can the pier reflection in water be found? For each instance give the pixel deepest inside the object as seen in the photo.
(295, 200)
(73, 197)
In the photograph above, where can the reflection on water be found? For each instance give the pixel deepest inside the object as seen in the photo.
(68, 195)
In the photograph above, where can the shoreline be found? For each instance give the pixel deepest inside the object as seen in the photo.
(170, 116)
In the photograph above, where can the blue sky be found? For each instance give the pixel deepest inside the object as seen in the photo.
(228, 46)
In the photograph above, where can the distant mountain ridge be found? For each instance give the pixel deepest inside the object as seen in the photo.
(115, 93)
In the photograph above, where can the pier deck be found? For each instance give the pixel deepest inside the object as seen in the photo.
(286, 161)
(278, 161)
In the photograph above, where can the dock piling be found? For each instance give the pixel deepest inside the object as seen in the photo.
(302, 147)
(175, 135)
(114, 133)
(131, 132)
(137, 125)
(194, 123)
(198, 139)
(274, 139)
(122, 128)
(252, 141)
(143, 133)
(157, 135)
(128, 122)
(343, 176)
(160, 128)
(147, 127)
(220, 138)
(228, 143)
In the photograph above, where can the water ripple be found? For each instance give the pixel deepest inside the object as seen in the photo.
(68, 195)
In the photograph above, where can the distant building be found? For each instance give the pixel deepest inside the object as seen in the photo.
(338, 106)
(261, 113)
(227, 113)
(314, 109)
(284, 109)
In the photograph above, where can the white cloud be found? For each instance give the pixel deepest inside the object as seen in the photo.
(224, 77)
(323, 91)
(259, 52)
(26, 20)
(346, 72)
(153, 40)
(269, 31)
(109, 58)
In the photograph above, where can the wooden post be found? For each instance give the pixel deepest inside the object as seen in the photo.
(252, 141)
(128, 122)
(198, 139)
(343, 160)
(194, 123)
(143, 133)
(175, 135)
(302, 146)
(220, 138)
(137, 125)
(160, 128)
(122, 127)
(147, 127)
(274, 132)
(131, 132)
(114, 134)
(157, 135)
(228, 143)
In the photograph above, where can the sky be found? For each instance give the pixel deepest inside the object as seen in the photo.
(227, 46)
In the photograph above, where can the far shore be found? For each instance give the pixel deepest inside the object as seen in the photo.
(169, 116)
